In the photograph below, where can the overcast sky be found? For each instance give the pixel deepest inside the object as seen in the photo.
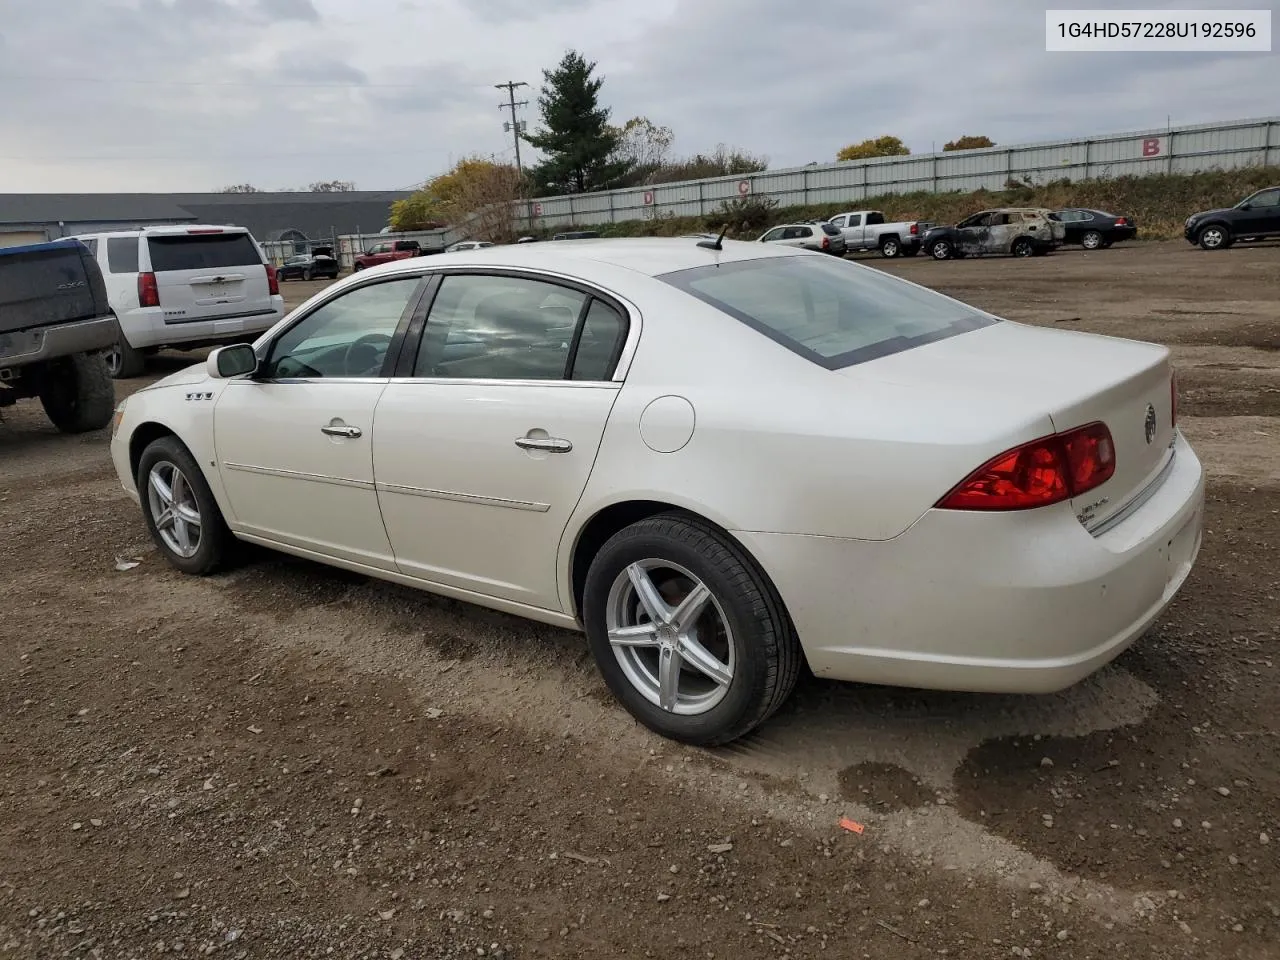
(155, 95)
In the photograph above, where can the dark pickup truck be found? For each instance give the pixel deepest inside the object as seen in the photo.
(54, 323)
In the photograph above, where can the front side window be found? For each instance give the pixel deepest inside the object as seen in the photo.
(346, 337)
(122, 254)
(855, 220)
(517, 328)
(828, 310)
(774, 234)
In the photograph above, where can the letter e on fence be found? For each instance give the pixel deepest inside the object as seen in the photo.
(1151, 147)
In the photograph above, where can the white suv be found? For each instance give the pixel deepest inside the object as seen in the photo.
(184, 287)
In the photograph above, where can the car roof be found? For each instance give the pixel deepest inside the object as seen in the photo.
(651, 256)
(162, 230)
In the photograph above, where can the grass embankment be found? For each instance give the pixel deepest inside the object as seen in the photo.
(1159, 203)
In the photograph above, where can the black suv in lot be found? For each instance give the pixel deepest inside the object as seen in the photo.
(1254, 217)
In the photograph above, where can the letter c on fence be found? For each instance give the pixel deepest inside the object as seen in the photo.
(1151, 147)
(537, 209)
(744, 187)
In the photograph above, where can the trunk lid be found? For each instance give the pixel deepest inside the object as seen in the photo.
(1075, 378)
(209, 274)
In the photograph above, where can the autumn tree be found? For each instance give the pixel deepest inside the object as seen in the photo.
(644, 146)
(476, 196)
(576, 140)
(969, 143)
(878, 147)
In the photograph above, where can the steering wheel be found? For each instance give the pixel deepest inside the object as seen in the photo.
(373, 359)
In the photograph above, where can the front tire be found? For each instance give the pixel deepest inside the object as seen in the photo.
(941, 250)
(1091, 240)
(890, 248)
(1022, 247)
(180, 511)
(306, 274)
(77, 394)
(1214, 237)
(687, 632)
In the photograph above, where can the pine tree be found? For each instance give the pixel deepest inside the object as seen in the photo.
(576, 140)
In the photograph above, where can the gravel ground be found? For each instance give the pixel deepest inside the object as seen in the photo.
(288, 760)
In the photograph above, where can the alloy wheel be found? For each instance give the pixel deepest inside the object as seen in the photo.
(174, 509)
(670, 636)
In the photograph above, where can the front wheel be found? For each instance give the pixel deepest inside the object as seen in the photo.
(77, 394)
(889, 247)
(180, 511)
(941, 250)
(687, 632)
(306, 274)
(1214, 238)
(1022, 247)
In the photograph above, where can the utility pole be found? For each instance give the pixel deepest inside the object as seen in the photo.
(515, 125)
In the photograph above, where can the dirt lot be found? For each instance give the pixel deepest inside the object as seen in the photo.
(291, 761)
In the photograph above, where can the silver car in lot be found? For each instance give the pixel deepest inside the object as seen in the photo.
(823, 237)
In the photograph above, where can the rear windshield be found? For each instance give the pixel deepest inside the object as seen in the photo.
(830, 230)
(202, 251)
(827, 310)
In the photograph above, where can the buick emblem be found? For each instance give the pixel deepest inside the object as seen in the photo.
(1151, 423)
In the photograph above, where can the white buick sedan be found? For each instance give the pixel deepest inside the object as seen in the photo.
(720, 461)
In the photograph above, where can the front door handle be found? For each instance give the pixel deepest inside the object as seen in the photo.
(333, 430)
(549, 444)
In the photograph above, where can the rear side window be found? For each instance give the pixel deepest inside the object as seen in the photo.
(202, 251)
(874, 218)
(828, 310)
(122, 254)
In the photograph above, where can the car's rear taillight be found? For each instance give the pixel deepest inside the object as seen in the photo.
(1121, 222)
(1173, 398)
(915, 229)
(148, 292)
(273, 281)
(826, 242)
(1039, 473)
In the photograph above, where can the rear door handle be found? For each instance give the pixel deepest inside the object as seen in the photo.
(549, 444)
(341, 431)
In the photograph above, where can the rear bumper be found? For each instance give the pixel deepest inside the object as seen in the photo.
(1028, 603)
(25, 347)
(145, 327)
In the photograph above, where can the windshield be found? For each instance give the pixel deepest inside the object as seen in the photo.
(830, 311)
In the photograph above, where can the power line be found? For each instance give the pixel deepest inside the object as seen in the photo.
(221, 83)
(511, 104)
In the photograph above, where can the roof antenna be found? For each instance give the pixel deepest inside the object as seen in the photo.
(715, 244)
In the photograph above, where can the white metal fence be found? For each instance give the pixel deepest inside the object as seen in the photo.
(1185, 149)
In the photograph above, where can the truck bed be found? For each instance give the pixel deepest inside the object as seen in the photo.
(47, 284)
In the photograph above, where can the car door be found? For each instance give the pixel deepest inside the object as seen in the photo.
(1071, 221)
(294, 442)
(855, 234)
(1001, 228)
(1263, 215)
(973, 233)
(482, 449)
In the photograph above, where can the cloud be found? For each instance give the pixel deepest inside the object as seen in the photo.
(194, 94)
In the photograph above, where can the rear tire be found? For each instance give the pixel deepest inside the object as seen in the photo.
(1092, 240)
(306, 274)
(741, 626)
(941, 250)
(167, 465)
(78, 395)
(890, 247)
(1022, 247)
(123, 361)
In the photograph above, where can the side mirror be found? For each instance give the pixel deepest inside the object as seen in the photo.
(232, 361)
(1246, 206)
